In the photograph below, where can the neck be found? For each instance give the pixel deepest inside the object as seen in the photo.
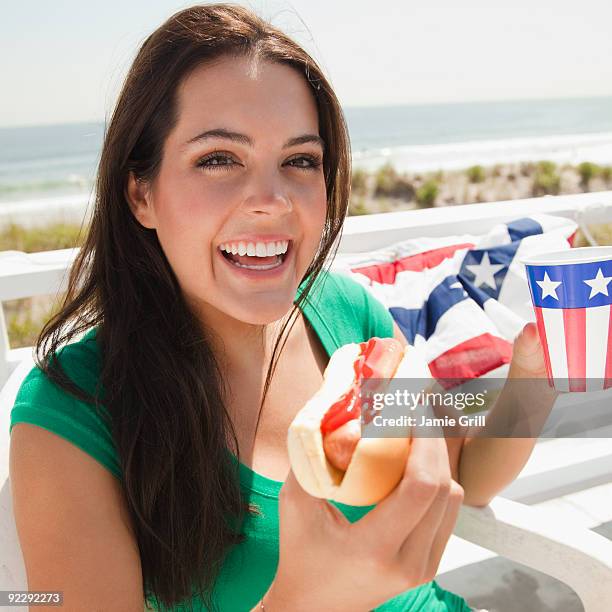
(244, 347)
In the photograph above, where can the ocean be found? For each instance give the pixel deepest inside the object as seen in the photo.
(60, 160)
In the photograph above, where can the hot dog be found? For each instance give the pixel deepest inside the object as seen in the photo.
(327, 454)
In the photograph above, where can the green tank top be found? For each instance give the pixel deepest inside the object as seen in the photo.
(340, 311)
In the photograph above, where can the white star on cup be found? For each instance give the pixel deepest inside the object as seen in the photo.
(549, 287)
(599, 284)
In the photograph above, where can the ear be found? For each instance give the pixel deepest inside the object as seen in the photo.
(139, 198)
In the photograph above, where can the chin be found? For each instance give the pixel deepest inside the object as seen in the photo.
(264, 314)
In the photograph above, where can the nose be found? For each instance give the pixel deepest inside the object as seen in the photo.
(267, 195)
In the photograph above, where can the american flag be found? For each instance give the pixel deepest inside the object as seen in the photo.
(572, 306)
(462, 299)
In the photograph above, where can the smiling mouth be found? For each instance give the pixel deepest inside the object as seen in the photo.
(254, 262)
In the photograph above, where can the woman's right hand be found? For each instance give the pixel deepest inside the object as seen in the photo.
(328, 563)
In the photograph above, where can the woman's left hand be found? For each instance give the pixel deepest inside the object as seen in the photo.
(528, 354)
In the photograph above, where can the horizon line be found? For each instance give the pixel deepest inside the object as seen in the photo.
(356, 107)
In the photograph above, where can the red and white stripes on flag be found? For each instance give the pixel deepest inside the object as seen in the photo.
(463, 299)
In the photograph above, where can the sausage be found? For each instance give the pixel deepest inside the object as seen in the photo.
(340, 444)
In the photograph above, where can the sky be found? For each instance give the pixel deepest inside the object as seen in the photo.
(64, 61)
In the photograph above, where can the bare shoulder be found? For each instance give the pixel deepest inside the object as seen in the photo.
(73, 524)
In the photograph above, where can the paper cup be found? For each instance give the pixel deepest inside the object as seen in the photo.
(571, 293)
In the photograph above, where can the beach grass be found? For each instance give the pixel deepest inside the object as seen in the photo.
(48, 238)
(26, 317)
(546, 180)
(388, 189)
(426, 194)
(602, 234)
(476, 174)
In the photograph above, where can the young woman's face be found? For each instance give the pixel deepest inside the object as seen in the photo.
(242, 169)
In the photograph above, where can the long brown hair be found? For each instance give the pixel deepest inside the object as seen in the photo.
(160, 382)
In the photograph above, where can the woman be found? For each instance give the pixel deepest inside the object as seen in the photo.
(142, 443)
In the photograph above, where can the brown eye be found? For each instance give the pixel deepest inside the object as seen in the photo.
(215, 161)
(306, 162)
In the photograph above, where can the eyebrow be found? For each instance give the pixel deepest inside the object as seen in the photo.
(245, 140)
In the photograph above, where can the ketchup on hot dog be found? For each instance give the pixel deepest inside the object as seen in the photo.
(378, 358)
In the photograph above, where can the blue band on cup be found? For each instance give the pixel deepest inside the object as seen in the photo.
(580, 285)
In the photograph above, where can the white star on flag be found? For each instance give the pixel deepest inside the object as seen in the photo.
(485, 271)
(549, 287)
(599, 284)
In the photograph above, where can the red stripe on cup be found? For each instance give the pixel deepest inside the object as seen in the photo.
(574, 322)
(543, 341)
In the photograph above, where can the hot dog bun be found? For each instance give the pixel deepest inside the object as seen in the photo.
(377, 464)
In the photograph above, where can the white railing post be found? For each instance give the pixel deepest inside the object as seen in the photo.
(4, 347)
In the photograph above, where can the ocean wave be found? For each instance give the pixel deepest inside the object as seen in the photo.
(571, 149)
(66, 160)
(72, 183)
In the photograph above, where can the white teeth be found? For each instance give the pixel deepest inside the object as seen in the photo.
(259, 249)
